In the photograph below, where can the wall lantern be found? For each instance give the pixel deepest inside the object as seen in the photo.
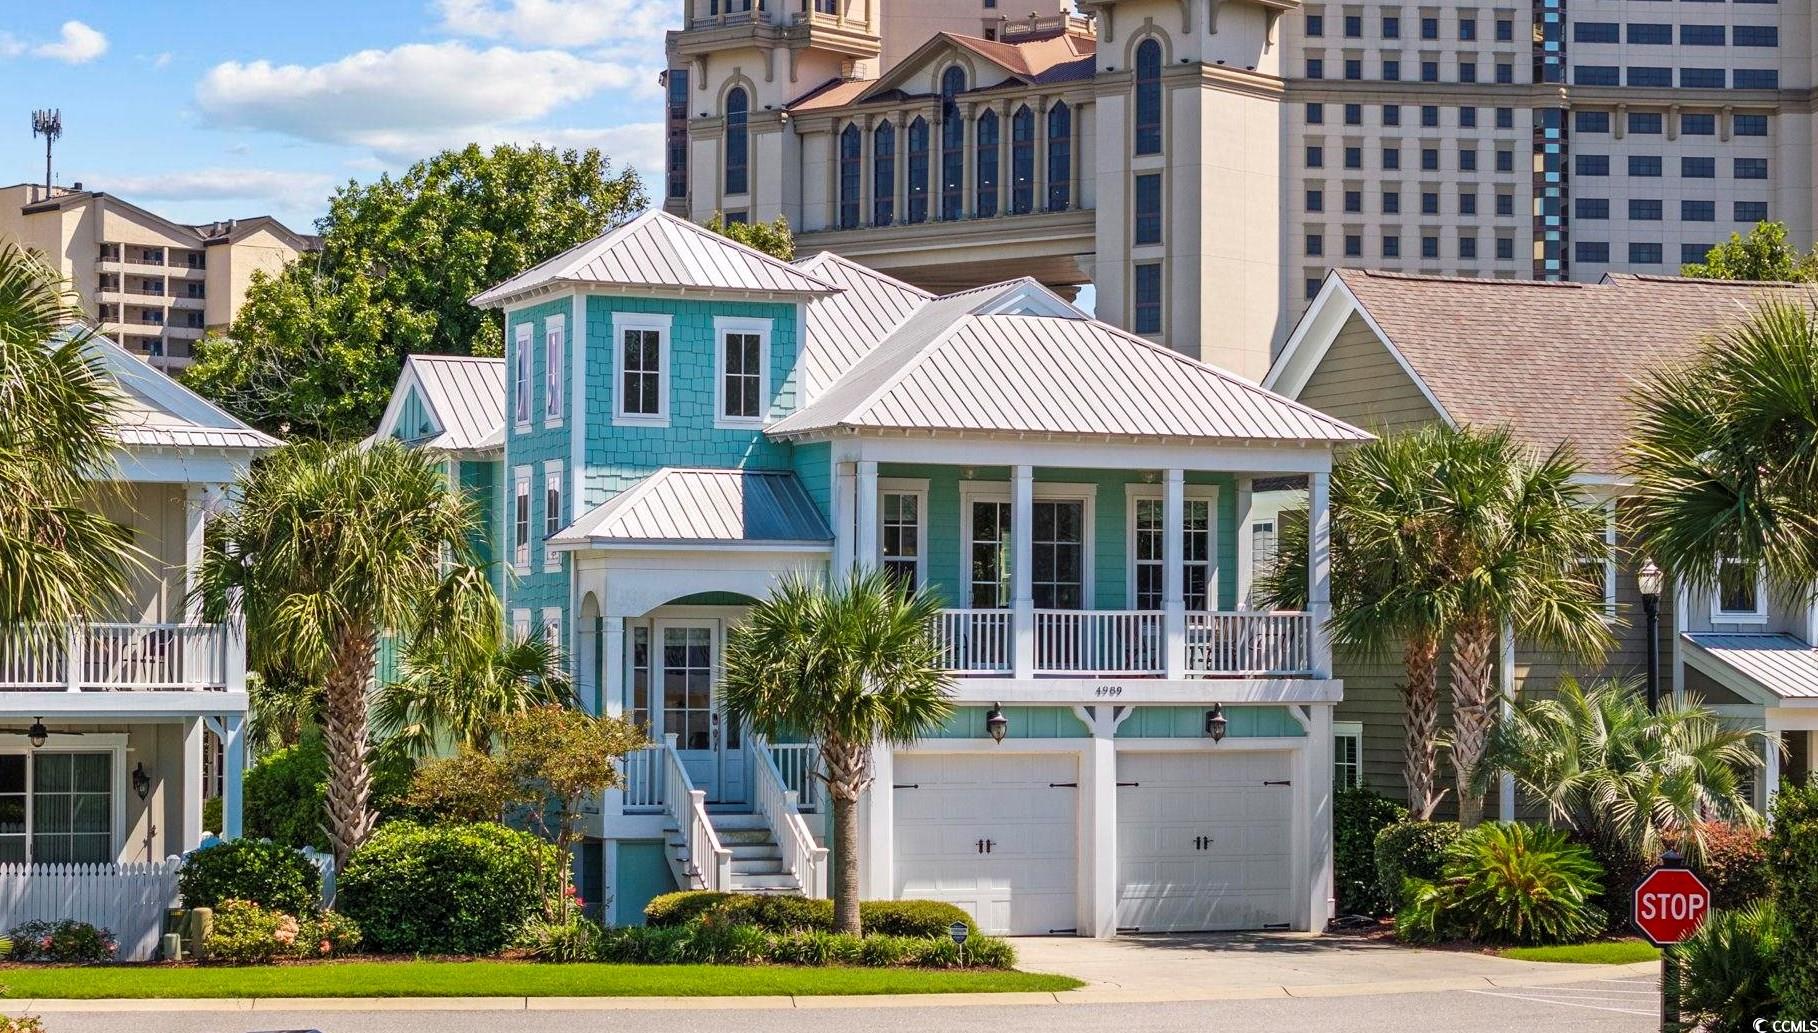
(141, 781)
(37, 733)
(1216, 722)
(996, 723)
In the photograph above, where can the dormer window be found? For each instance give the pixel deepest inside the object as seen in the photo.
(1741, 595)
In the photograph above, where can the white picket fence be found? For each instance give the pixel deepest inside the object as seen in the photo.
(129, 899)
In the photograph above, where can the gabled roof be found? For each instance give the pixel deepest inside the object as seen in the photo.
(1777, 667)
(970, 362)
(1553, 361)
(156, 411)
(657, 251)
(465, 397)
(1051, 57)
(683, 507)
(842, 328)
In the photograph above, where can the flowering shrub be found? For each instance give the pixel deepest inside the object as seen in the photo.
(247, 933)
(22, 1024)
(67, 941)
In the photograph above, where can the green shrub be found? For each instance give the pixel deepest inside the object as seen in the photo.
(1358, 815)
(245, 933)
(448, 889)
(285, 791)
(773, 913)
(211, 815)
(1725, 968)
(682, 907)
(912, 918)
(708, 942)
(813, 947)
(1734, 865)
(68, 941)
(544, 940)
(781, 914)
(1507, 883)
(268, 874)
(1792, 858)
(1411, 850)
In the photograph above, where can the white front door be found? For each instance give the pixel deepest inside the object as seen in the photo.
(995, 835)
(1203, 840)
(687, 669)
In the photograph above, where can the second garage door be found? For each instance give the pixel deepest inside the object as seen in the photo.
(995, 835)
(1203, 840)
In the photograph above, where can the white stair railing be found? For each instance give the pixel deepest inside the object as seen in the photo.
(643, 778)
(709, 863)
(800, 764)
(778, 804)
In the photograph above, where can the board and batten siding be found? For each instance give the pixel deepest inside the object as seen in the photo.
(1359, 382)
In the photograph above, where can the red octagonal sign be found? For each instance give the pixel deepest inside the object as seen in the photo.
(1669, 904)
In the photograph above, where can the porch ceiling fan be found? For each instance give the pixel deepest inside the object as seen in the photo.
(37, 733)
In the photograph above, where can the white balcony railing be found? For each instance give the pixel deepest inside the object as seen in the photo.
(121, 657)
(1128, 643)
(974, 641)
(1116, 642)
(1255, 644)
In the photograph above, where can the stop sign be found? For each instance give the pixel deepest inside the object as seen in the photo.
(1669, 904)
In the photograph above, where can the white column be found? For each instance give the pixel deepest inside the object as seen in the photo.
(1098, 783)
(1174, 604)
(234, 765)
(845, 497)
(1319, 568)
(1680, 612)
(609, 879)
(612, 669)
(1320, 894)
(1505, 788)
(190, 832)
(1246, 557)
(1022, 558)
(866, 537)
(199, 500)
(876, 816)
(1770, 775)
(233, 647)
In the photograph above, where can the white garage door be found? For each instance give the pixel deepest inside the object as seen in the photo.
(1203, 840)
(995, 835)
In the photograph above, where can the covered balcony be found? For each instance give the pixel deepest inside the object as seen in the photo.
(124, 657)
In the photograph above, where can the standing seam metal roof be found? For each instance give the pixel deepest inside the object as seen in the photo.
(466, 395)
(703, 506)
(1781, 664)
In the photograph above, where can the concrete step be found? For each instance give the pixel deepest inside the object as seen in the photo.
(765, 884)
(758, 866)
(754, 851)
(722, 822)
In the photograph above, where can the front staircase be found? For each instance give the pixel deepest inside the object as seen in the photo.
(769, 849)
(757, 858)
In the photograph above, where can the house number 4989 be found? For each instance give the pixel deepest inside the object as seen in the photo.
(1110, 690)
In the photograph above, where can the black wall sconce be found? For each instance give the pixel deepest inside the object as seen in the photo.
(1216, 722)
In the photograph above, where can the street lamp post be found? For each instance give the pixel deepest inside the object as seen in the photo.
(1649, 579)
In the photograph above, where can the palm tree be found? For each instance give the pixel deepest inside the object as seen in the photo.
(853, 665)
(59, 557)
(461, 697)
(1725, 455)
(1629, 781)
(327, 548)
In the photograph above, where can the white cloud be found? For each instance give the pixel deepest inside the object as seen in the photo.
(76, 44)
(161, 60)
(637, 144)
(267, 185)
(386, 99)
(11, 45)
(566, 24)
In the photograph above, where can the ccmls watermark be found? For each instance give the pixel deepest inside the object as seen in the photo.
(1786, 1026)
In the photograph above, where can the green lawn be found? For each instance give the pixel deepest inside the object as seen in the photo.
(1608, 952)
(505, 979)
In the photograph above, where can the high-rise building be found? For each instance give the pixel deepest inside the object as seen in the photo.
(152, 285)
(1203, 164)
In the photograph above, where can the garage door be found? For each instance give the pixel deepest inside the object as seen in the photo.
(1203, 840)
(995, 835)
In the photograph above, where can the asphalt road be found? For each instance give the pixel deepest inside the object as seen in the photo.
(1594, 1006)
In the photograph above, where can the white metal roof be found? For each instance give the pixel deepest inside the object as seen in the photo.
(658, 251)
(844, 327)
(156, 411)
(1780, 664)
(703, 507)
(465, 396)
(956, 368)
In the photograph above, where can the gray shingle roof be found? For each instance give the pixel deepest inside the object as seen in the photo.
(696, 507)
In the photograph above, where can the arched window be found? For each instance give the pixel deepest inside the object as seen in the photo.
(1148, 97)
(1022, 161)
(918, 170)
(738, 142)
(851, 146)
(986, 163)
(883, 174)
(953, 144)
(1060, 156)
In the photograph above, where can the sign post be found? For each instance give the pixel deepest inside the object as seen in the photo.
(1669, 905)
(960, 931)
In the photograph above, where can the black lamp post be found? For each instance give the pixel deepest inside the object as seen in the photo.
(1649, 579)
(996, 724)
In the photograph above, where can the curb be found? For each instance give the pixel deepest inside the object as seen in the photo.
(1568, 974)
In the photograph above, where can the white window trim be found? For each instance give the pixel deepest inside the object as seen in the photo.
(1347, 730)
(552, 478)
(114, 743)
(1609, 562)
(520, 622)
(551, 626)
(621, 322)
(917, 487)
(1759, 615)
(723, 325)
(521, 506)
(1134, 493)
(1045, 491)
(554, 330)
(521, 402)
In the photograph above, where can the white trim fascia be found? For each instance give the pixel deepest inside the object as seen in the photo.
(662, 322)
(1027, 449)
(552, 372)
(62, 705)
(1047, 491)
(1296, 365)
(678, 545)
(723, 325)
(918, 487)
(1151, 691)
(577, 400)
(1143, 490)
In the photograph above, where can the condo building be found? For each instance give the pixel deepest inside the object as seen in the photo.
(152, 285)
(1204, 164)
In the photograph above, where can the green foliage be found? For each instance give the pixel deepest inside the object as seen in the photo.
(1765, 254)
(1358, 815)
(467, 787)
(245, 933)
(211, 814)
(680, 908)
(1734, 864)
(714, 943)
(317, 348)
(577, 939)
(772, 238)
(67, 941)
(1727, 966)
(21, 1024)
(1507, 883)
(1792, 857)
(462, 696)
(1411, 850)
(256, 871)
(777, 913)
(447, 889)
(285, 790)
(912, 918)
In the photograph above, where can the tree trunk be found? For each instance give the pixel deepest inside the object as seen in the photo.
(350, 817)
(1420, 705)
(1472, 696)
(848, 773)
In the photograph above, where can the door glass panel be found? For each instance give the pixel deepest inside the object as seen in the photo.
(688, 686)
(72, 807)
(1059, 555)
(990, 559)
(640, 678)
(12, 807)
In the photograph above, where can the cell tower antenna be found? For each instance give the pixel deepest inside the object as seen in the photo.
(48, 124)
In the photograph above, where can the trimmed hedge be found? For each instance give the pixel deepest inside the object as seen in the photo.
(446, 889)
(1792, 859)
(1411, 850)
(269, 874)
(1357, 816)
(783, 914)
(709, 943)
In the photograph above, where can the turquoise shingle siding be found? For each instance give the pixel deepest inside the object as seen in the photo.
(535, 445)
(1190, 723)
(813, 466)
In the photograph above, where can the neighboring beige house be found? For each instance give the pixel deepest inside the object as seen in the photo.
(154, 285)
(1555, 362)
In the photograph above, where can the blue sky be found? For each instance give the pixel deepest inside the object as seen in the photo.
(205, 109)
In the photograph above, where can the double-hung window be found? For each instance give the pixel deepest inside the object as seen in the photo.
(1741, 596)
(520, 520)
(1148, 540)
(552, 512)
(642, 368)
(553, 350)
(742, 379)
(1347, 754)
(520, 373)
(57, 807)
(1057, 565)
(902, 539)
